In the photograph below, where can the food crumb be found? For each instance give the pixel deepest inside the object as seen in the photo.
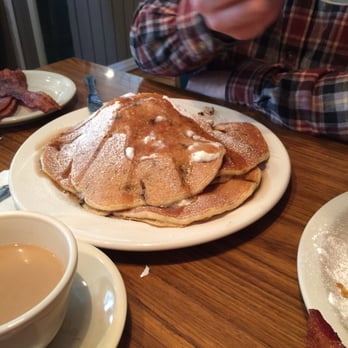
(343, 289)
(145, 272)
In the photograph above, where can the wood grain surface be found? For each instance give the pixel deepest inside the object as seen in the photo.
(239, 291)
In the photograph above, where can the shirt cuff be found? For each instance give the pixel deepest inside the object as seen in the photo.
(247, 80)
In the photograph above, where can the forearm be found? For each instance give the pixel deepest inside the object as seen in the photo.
(321, 107)
(314, 101)
(164, 39)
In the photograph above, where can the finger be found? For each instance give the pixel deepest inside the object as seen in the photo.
(244, 20)
(210, 7)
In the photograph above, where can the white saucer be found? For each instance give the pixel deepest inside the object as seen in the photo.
(97, 305)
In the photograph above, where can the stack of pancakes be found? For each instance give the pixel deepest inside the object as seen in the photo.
(139, 158)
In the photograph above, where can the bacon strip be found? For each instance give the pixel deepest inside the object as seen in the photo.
(10, 108)
(4, 102)
(320, 334)
(11, 80)
(36, 100)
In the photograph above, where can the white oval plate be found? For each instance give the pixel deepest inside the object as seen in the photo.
(322, 261)
(97, 305)
(57, 86)
(31, 190)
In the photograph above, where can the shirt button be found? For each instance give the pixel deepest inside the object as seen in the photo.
(290, 56)
(202, 46)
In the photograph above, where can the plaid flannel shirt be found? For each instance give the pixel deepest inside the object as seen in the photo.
(296, 72)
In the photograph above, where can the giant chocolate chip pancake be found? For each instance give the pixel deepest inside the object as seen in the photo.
(134, 151)
(140, 158)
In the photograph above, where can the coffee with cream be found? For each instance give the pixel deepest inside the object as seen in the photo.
(27, 274)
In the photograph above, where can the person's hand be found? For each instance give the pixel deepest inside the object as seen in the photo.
(240, 19)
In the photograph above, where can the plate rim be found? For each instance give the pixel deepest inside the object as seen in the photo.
(131, 245)
(35, 114)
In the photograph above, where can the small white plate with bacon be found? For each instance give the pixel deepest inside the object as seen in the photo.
(29, 94)
(323, 267)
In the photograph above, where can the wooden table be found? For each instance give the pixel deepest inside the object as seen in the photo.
(239, 291)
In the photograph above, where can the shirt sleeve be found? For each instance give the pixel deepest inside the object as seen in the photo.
(313, 101)
(167, 39)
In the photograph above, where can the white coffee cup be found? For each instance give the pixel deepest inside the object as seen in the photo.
(37, 326)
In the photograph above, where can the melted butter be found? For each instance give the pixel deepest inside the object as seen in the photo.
(130, 152)
(160, 118)
(149, 157)
(184, 203)
(189, 133)
(158, 144)
(203, 156)
(193, 146)
(149, 138)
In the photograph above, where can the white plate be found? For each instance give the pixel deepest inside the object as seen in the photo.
(57, 86)
(97, 305)
(31, 190)
(322, 261)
